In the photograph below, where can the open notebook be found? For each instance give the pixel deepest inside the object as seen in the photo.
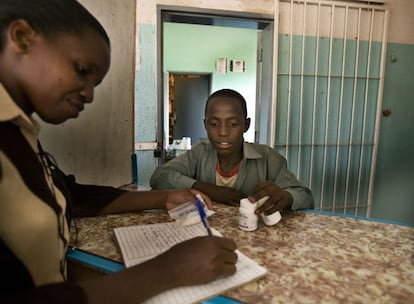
(143, 242)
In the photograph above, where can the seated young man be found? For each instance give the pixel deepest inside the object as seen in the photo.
(227, 168)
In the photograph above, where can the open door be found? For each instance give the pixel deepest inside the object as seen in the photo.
(264, 98)
(187, 100)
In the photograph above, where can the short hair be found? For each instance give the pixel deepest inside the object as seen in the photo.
(49, 17)
(228, 93)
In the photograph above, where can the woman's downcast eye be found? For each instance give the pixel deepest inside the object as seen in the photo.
(81, 70)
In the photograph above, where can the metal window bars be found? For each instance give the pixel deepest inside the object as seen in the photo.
(330, 73)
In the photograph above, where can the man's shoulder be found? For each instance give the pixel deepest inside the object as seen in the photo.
(256, 150)
(259, 147)
(202, 145)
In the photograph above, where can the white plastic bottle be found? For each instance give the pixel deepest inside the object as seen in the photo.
(247, 219)
(271, 219)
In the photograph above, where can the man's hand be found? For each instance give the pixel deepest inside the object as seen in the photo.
(220, 194)
(278, 200)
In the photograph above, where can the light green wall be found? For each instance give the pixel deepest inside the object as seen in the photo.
(195, 48)
(394, 184)
(191, 48)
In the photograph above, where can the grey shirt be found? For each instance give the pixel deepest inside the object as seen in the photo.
(260, 163)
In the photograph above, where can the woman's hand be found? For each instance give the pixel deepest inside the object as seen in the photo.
(200, 260)
(177, 197)
(195, 261)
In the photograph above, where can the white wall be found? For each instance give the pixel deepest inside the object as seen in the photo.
(401, 21)
(96, 147)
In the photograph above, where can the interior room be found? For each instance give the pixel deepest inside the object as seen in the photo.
(329, 87)
(135, 107)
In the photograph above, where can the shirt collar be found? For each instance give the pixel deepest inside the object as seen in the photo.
(250, 151)
(10, 111)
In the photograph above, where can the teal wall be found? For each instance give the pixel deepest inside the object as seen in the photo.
(146, 100)
(333, 189)
(393, 197)
(394, 184)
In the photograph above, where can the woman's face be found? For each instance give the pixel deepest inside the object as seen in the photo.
(59, 75)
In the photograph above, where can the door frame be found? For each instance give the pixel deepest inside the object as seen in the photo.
(193, 12)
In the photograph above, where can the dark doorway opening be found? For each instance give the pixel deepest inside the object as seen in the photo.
(187, 96)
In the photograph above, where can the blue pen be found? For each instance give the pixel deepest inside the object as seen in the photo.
(203, 215)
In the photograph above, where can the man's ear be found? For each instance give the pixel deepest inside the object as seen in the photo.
(246, 125)
(21, 35)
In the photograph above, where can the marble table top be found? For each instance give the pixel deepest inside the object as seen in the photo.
(311, 257)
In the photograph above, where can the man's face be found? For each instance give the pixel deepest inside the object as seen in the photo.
(225, 124)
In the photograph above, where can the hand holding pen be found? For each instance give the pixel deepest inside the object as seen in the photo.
(203, 215)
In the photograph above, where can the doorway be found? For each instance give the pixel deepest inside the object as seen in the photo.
(187, 96)
(255, 83)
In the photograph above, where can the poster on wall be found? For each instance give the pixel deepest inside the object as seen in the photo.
(237, 66)
(221, 65)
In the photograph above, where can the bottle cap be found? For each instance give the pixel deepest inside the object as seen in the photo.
(246, 203)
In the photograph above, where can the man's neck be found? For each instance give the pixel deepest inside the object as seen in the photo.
(228, 163)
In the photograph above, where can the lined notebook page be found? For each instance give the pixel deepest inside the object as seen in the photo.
(143, 242)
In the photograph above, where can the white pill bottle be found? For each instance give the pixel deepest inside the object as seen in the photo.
(247, 218)
(271, 219)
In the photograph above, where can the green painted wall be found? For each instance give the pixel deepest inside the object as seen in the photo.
(195, 48)
(191, 48)
(394, 184)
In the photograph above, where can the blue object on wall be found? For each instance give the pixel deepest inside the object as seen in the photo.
(134, 165)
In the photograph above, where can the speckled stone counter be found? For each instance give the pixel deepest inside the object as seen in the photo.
(311, 257)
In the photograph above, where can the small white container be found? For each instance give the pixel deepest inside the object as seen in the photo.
(271, 219)
(247, 219)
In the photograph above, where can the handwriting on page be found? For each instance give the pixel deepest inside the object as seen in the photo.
(140, 243)
(247, 270)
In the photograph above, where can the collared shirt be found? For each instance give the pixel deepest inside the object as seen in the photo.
(34, 230)
(226, 179)
(260, 163)
(35, 233)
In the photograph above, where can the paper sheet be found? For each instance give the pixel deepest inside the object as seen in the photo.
(143, 242)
